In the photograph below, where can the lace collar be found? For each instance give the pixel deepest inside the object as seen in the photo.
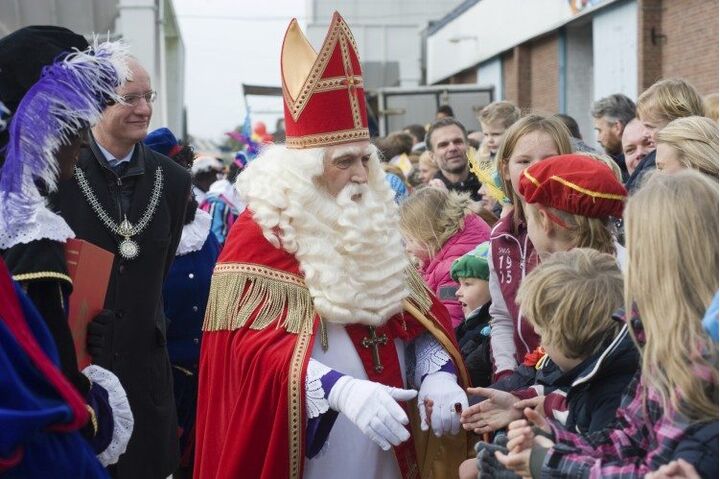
(194, 234)
(43, 224)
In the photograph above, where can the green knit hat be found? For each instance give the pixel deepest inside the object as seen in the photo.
(473, 264)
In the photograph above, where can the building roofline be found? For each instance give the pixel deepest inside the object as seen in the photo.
(578, 18)
(454, 13)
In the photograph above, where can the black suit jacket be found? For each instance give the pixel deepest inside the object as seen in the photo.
(139, 354)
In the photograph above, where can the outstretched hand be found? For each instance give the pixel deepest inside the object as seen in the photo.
(495, 412)
(537, 403)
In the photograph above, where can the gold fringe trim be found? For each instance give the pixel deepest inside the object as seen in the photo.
(296, 392)
(41, 275)
(419, 294)
(240, 291)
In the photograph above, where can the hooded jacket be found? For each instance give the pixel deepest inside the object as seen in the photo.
(595, 386)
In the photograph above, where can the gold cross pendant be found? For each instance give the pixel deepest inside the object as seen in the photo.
(372, 342)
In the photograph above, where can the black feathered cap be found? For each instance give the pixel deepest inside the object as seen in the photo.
(23, 55)
(25, 52)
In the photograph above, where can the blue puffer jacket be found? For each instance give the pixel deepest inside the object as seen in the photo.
(699, 447)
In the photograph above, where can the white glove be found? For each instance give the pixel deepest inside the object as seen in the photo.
(442, 388)
(372, 407)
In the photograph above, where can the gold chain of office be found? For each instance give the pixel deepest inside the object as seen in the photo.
(128, 247)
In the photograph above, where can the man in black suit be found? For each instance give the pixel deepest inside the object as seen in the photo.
(131, 201)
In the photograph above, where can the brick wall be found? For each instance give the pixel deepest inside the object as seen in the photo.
(523, 74)
(463, 77)
(517, 79)
(509, 77)
(649, 55)
(544, 74)
(690, 47)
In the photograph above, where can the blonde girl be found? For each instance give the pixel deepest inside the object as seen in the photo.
(438, 227)
(672, 231)
(531, 139)
(670, 412)
(665, 101)
(427, 167)
(690, 142)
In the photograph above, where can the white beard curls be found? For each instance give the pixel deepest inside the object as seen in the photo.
(349, 250)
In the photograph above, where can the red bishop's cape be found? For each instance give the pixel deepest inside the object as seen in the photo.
(258, 336)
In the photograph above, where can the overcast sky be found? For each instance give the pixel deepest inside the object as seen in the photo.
(227, 43)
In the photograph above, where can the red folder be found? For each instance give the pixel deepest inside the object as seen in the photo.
(89, 267)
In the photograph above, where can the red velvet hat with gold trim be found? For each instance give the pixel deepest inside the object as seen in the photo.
(323, 92)
(575, 184)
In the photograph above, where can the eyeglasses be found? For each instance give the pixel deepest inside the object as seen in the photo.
(134, 100)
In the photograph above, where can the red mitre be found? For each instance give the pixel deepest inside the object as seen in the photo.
(576, 184)
(323, 92)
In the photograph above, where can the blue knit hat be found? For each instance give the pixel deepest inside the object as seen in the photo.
(163, 141)
(473, 264)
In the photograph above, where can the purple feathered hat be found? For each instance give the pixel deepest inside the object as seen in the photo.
(70, 95)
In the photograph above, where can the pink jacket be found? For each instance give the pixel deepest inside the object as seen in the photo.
(436, 272)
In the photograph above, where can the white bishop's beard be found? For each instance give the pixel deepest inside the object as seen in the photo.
(352, 256)
(350, 251)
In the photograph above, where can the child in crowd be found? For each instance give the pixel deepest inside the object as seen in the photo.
(471, 272)
(427, 167)
(494, 120)
(663, 102)
(670, 412)
(690, 142)
(438, 228)
(531, 139)
(570, 201)
(594, 352)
